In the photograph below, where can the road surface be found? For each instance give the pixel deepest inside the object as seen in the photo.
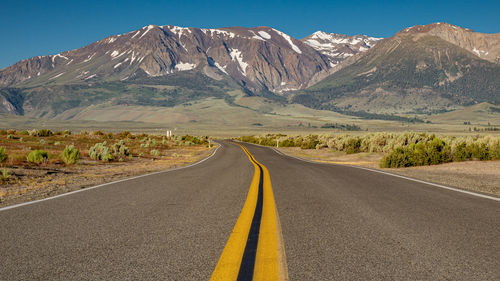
(337, 223)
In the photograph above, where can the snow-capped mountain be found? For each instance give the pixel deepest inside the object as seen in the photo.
(424, 68)
(257, 58)
(339, 47)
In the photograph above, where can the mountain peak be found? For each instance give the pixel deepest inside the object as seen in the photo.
(483, 45)
(339, 46)
(433, 26)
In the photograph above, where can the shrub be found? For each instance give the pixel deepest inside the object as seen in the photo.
(5, 175)
(37, 156)
(399, 157)
(70, 155)
(45, 133)
(353, 145)
(3, 155)
(63, 133)
(10, 137)
(100, 152)
(154, 152)
(480, 151)
(24, 133)
(125, 134)
(462, 152)
(431, 152)
(119, 149)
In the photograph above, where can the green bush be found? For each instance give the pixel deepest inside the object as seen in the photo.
(353, 146)
(3, 155)
(70, 155)
(10, 137)
(480, 151)
(100, 152)
(37, 156)
(154, 152)
(195, 140)
(462, 152)
(5, 175)
(23, 133)
(45, 133)
(432, 152)
(399, 157)
(119, 149)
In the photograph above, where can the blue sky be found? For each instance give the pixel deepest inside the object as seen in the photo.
(30, 28)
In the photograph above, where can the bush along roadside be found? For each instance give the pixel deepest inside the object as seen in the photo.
(402, 149)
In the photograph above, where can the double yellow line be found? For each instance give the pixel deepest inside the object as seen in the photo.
(238, 256)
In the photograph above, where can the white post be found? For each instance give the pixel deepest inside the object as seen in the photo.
(277, 143)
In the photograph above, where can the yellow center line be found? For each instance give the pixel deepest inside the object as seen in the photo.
(266, 260)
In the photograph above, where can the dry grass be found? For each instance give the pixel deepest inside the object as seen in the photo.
(480, 176)
(29, 181)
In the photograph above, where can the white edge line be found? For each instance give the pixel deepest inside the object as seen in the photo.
(109, 183)
(390, 174)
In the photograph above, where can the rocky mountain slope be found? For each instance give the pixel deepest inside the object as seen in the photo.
(423, 69)
(258, 58)
(188, 64)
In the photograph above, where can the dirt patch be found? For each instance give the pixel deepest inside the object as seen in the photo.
(32, 183)
(365, 159)
(479, 176)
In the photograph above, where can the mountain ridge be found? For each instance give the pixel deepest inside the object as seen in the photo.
(421, 69)
(418, 70)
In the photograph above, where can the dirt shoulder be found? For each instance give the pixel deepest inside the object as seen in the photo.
(479, 176)
(32, 183)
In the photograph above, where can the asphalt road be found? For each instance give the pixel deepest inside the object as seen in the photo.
(338, 223)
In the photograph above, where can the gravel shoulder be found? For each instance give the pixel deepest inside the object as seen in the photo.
(478, 176)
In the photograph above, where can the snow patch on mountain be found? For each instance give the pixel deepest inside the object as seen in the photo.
(137, 33)
(58, 75)
(289, 39)
(264, 35)
(219, 32)
(177, 30)
(58, 56)
(237, 55)
(220, 68)
(149, 27)
(183, 66)
(89, 57)
(255, 36)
